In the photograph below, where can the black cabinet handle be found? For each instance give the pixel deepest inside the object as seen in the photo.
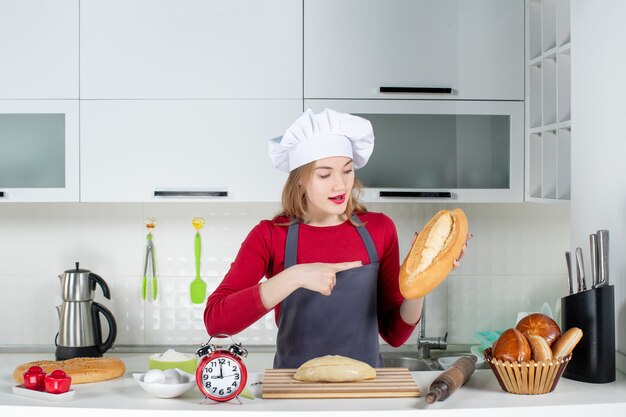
(426, 90)
(416, 194)
(1, 193)
(218, 193)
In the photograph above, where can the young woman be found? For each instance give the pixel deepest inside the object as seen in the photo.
(331, 266)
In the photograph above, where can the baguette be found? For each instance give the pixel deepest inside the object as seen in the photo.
(565, 344)
(432, 255)
(82, 370)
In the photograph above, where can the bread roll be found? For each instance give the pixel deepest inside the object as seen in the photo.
(540, 325)
(539, 347)
(512, 346)
(82, 370)
(433, 253)
(565, 344)
(334, 368)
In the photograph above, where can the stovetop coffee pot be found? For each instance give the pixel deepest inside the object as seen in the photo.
(80, 331)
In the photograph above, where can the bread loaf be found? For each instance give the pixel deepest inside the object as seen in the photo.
(432, 255)
(565, 344)
(539, 347)
(334, 368)
(512, 346)
(540, 325)
(82, 370)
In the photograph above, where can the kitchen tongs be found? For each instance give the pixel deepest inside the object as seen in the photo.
(150, 258)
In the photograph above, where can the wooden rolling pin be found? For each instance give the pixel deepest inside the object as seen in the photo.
(451, 379)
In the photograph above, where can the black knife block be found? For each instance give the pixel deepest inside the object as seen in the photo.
(592, 311)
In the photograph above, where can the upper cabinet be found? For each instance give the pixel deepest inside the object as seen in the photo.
(181, 150)
(421, 49)
(548, 102)
(39, 150)
(39, 49)
(441, 150)
(190, 49)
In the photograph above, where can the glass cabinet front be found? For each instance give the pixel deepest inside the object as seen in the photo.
(462, 151)
(39, 150)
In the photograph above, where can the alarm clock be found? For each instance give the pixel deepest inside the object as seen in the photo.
(221, 374)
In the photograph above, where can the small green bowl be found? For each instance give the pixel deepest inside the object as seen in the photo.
(187, 366)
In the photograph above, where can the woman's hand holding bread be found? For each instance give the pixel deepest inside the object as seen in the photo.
(434, 253)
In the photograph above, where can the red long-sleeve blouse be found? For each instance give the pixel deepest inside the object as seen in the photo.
(236, 303)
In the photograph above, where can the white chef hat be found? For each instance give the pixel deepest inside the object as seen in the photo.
(322, 135)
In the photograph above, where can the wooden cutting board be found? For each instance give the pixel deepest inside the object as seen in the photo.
(389, 383)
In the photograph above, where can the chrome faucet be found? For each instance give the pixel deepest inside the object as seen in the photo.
(425, 344)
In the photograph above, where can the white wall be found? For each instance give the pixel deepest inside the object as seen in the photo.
(514, 263)
(599, 138)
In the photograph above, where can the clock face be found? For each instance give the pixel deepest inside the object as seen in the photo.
(221, 377)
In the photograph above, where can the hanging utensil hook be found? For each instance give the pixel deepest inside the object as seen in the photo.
(150, 259)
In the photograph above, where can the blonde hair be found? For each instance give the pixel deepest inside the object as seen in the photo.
(294, 202)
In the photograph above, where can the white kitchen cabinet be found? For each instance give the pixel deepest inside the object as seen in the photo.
(181, 150)
(39, 49)
(352, 48)
(181, 49)
(441, 150)
(39, 151)
(548, 101)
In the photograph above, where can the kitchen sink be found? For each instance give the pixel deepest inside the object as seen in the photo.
(412, 363)
(410, 360)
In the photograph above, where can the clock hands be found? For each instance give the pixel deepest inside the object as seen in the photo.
(220, 376)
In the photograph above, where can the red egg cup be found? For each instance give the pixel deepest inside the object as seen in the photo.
(34, 378)
(57, 382)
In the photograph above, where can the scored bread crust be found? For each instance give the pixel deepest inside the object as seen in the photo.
(541, 325)
(334, 368)
(81, 370)
(415, 282)
(512, 346)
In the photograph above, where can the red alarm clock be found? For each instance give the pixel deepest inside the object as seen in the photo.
(221, 374)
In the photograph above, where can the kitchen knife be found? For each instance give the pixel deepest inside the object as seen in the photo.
(568, 261)
(603, 258)
(593, 250)
(580, 270)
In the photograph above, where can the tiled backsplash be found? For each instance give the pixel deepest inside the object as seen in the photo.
(514, 263)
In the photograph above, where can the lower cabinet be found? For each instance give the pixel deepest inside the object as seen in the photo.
(181, 150)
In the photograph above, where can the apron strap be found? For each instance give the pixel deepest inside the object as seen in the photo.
(367, 240)
(291, 244)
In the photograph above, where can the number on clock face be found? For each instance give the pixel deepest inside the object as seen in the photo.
(221, 377)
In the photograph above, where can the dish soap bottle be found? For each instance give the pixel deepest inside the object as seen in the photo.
(450, 380)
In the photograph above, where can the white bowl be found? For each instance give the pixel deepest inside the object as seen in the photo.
(167, 390)
(448, 361)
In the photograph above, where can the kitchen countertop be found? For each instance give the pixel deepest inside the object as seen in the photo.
(481, 395)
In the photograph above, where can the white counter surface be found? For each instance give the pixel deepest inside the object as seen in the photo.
(481, 396)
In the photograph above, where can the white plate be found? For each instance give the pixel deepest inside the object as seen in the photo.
(40, 395)
(168, 390)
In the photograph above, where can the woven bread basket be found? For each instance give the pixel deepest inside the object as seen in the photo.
(532, 377)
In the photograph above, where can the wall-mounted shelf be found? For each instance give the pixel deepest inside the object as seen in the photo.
(548, 101)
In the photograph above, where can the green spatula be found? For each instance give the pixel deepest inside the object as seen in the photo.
(198, 286)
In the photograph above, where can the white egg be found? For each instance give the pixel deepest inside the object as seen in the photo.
(172, 377)
(154, 376)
